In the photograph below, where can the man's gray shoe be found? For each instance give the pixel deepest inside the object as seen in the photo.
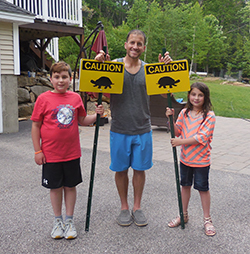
(124, 219)
(139, 218)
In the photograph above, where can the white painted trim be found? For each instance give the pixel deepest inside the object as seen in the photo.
(1, 102)
(16, 53)
(17, 18)
(80, 12)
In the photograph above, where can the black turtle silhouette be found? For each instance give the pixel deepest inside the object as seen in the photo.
(102, 81)
(167, 81)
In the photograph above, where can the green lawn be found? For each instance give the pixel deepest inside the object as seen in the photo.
(228, 100)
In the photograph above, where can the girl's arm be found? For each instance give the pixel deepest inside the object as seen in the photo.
(90, 119)
(188, 141)
(170, 111)
(36, 137)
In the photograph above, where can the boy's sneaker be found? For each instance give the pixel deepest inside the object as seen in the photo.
(70, 230)
(139, 218)
(58, 229)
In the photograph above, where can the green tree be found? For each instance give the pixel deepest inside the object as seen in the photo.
(137, 15)
(116, 39)
(225, 11)
(177, 30)
(216, 41)
(68, 50)
(114, 11)
(154, 34)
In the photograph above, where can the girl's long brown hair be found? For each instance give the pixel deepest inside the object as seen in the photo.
(207, 105)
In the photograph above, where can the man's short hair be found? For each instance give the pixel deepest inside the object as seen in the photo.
(139, 32)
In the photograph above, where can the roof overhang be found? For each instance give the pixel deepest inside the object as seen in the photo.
(42, 30)
(16, 18)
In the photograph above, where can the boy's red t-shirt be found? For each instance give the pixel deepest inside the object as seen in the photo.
(59, 131)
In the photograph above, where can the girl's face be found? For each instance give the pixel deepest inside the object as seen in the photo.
(60, 81)
(196, 98)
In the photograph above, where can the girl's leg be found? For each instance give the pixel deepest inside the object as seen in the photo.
(205, 202)
(70, 200)
(185, 196)
(56, 200)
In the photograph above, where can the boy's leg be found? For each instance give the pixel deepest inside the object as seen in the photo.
(122, 180)
(56, 196)
(56, 201)
(70, 200)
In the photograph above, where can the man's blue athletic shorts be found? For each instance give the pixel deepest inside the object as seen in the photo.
(133, 151)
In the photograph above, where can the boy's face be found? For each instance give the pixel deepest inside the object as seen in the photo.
(60, 81)
(135, 46)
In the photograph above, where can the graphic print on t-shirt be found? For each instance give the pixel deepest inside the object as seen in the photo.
(64, 114)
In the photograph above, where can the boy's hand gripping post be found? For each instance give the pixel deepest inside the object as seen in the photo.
(175, 158)
(92, 175)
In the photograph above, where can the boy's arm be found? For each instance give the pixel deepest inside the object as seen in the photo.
(96, 94)
(87, 120)
(36, 137)
(90, 119)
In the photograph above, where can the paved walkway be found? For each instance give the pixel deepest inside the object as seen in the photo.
(26, 213)
(230, 145)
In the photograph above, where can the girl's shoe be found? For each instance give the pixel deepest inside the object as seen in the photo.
(177, 221)
(209, 228)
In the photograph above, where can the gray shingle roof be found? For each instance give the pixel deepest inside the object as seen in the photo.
(8, 7)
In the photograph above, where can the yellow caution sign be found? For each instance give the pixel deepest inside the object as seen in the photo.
(167, 78)
(101, 77)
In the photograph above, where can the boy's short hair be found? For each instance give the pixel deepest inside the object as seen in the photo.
(59, 67)
(139, 32)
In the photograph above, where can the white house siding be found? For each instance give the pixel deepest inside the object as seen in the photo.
(6, 47)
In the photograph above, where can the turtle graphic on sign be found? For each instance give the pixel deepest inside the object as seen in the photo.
(102, 82)
(167, 81)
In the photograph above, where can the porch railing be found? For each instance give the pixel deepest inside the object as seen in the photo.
(52, 49)
(66, 11)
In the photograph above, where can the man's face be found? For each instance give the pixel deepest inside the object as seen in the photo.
(135, 46)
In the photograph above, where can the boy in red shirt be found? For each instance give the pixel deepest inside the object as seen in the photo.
(55, 137)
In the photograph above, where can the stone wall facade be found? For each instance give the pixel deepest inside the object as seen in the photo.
(29, 88)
